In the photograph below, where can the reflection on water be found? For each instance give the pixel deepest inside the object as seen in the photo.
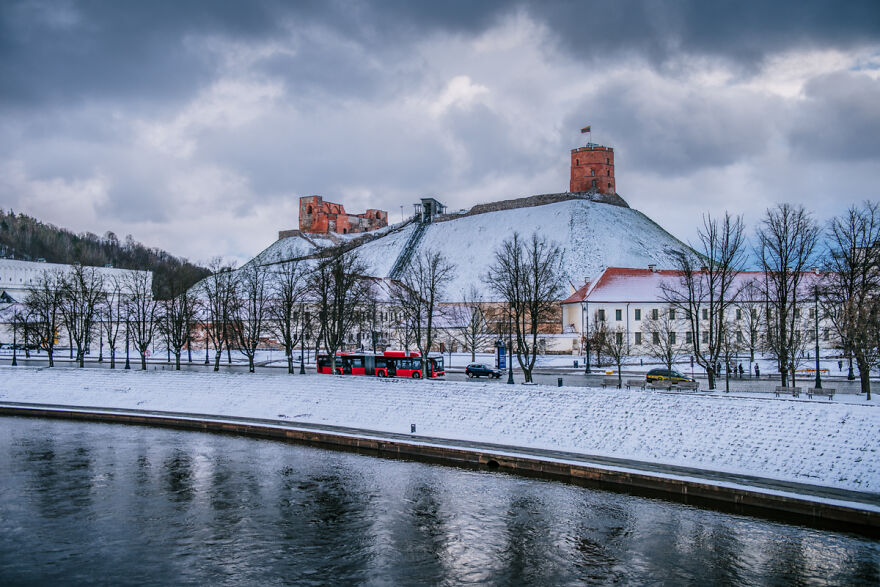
(83, 502)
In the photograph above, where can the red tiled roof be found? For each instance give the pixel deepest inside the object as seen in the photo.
(577, 296)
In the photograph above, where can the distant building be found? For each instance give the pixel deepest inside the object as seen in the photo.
(592, 169)
(17, 276)
(319, 217)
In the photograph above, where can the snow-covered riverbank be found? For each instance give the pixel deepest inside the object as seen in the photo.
(818, 442)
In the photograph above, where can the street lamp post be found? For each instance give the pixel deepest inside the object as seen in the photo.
(302, 340)
(127, 362)
(816, 324)
(14, 343)
(509, 350)
(586, 335)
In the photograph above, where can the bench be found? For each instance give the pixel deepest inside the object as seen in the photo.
(688, 385)
(640, 383)
(664, 385)
(612, 381)
(794, 391)
(829, 391)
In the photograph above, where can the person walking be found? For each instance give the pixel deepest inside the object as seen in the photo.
(740, 370)
(757, 371)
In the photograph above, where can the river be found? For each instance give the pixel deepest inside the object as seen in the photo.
(86, 503)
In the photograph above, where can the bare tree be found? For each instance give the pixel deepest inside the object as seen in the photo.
(616, 346)
(787, 240)
(251, 310)
(340, 290)
(286, 308)
(112, 314)
(751, 308)
(596, 336)
(176, 322)
(851, 287)
(219, 292)
(82, 293)
(705, 292)
(142, 312)
(417, 295)
(469, 325)
(43, 302)
(527, 277)
(663, 341)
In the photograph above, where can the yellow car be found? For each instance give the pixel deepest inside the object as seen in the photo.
(666, 375)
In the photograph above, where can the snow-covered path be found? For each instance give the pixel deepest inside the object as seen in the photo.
(817, 442)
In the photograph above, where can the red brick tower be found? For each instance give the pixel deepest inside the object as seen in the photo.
(592, 169)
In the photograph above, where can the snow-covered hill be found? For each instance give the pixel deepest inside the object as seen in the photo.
(593, 236)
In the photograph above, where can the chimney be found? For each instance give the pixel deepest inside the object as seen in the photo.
(652, 268)
(704, 269)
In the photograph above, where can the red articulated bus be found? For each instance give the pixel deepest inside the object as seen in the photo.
(387, 364)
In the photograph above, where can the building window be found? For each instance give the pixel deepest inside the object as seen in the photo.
(638, 314)
(812, 313)
(607, 161)
(672, 313)
(609, 185)
(671, 338)
(754, 314)
(655, 337)
(618, 338)
(739, 336)
(688, 337)
(739, 314)
(601, 315)
(593, 173)
(618, 315)
(310, 210)
(594, 183)
(638, 338)
(705, 314)
(655, 314)
(705, 337)
(825, 334)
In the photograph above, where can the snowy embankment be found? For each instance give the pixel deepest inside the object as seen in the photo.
(818, 442)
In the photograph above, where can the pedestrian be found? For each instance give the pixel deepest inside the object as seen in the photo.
(840, 365)
(757, 371)
(740, 370)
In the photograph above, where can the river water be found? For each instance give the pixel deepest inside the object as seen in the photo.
(86, 503)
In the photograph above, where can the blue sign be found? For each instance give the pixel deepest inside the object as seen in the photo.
(502, 358)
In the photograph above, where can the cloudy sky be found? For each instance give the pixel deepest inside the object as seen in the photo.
(196, 126)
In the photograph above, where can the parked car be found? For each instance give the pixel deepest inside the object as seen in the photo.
(481, 370)
(666, 375)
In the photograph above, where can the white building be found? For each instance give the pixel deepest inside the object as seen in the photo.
(627, 299)
(17, 276)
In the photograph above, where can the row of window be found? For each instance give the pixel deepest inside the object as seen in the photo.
(672, 313)
(689, 337)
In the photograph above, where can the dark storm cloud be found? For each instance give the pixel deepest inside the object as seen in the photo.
(840, 118)
(741, 32)
(104, 49)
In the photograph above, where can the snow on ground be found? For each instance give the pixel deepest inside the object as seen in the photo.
(819, 442)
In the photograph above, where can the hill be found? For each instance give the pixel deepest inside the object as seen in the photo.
(593, 234)
(27, 238)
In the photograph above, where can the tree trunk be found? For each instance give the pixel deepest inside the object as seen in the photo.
(177, 361)
(143, 361)
(112, 357)
(290, 362)
(710, 374)
(218, 353)
(51, 354)
(251, 363)
(864, 374)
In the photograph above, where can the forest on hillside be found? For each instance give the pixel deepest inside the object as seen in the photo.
(24, 237)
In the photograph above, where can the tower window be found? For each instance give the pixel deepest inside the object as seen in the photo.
(609, 185)
(310, 210)
(609, 173)
(607, 161)
(594, 183)
(593, 172)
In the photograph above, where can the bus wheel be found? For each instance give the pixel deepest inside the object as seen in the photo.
(417, 375)
(380, 373)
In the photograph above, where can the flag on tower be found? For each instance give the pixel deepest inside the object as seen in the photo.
(585, 129)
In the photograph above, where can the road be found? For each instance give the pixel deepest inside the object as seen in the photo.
(545, 376)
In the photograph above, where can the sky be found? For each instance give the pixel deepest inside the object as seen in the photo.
(196, 126)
